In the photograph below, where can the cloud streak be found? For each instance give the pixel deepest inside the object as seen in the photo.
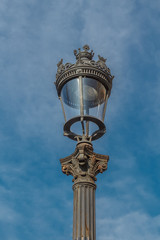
(135, 225)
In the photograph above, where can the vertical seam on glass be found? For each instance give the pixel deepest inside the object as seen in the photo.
(105, 106)
(63, 109)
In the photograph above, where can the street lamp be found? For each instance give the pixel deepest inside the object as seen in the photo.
(83, 89)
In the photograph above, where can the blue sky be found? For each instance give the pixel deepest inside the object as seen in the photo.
(35, 197)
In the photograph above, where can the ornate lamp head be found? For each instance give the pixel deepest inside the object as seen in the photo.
(84, 88)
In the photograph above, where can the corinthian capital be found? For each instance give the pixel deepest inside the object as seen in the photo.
(84, 164)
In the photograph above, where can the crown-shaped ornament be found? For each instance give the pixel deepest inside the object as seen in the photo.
(84, 54)
(85, 66)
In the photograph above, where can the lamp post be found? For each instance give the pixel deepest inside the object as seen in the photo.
(83, 89)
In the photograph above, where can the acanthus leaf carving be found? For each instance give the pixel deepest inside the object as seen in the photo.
(84, 164)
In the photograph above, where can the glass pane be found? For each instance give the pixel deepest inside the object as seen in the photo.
(70, 93)
(81, 97)
(94, 97)
(71, 99)
(93, 92)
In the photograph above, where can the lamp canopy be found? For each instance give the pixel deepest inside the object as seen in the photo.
(85, 66)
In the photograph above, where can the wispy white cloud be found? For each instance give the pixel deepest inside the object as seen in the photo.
(122, 212)
(134, 225)
(8, 214)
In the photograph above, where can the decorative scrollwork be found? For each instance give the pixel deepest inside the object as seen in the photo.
(84, 66)
(84, 164)
(86, 48)
(84, 58)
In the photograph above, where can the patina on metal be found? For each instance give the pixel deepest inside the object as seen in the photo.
(84, 164)
(85, 67)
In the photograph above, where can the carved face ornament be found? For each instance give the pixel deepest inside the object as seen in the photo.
(82, 158)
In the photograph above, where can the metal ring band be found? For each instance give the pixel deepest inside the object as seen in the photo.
(95, 135)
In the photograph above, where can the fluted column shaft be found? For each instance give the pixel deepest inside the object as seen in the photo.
(84, 211)
(84, 165)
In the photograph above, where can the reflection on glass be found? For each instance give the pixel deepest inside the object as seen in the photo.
(70, 93)
(84, 96)
(93, 93)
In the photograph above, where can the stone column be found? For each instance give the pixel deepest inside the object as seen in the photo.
(84, 165)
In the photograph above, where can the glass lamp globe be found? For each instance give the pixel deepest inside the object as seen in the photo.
(84, 100)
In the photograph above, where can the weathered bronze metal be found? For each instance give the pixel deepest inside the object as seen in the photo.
(85, 66)
(97, 134)
(84, 165)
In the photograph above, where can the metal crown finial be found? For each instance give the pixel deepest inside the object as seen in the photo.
(84, 54)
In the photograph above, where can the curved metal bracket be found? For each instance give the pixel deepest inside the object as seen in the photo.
(95, 135)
